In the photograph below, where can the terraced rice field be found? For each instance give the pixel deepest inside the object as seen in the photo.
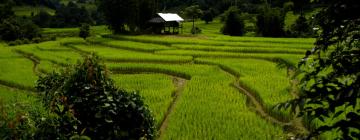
(198, 87)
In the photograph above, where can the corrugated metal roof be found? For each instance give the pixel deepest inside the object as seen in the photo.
(170, 17)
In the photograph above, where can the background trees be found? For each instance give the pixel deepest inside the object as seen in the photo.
(330, 80)
(301, 27)
(15, 28)
(233, 25)
(133, 13)
(270, 22)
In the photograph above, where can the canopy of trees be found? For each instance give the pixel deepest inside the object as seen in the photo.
(132, 13)
(330, 83)
(233, 25)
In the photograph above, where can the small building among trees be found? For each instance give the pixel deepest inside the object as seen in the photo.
(166, 23)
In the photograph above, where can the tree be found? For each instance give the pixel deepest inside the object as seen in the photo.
(18, 28)
(43, 19)
(270, 23)
(87, 102)
(71, 15)
(330, 74)
(193, 12)
(233, 25)
(6, 12)
(84, 31)
(301, 27)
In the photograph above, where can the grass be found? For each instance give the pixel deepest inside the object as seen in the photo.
(205, 96)
(156, 89)
(23, 75)
(119, 55)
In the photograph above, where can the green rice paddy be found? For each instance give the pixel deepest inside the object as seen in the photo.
(187, 81)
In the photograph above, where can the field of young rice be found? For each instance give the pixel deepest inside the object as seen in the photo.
(207, 86)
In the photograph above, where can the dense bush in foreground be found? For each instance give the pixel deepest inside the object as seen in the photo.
(88, 103)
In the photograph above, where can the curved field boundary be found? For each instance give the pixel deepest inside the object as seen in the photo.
(294, 125)
(210, 42)
(179, 83)
(125, 47)
(138, 70)
(31, 57)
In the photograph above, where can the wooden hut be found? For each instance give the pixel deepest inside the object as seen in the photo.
(166, 23)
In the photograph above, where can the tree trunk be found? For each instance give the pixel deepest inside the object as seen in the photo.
(193, 26)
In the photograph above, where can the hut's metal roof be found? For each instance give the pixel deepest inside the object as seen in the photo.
(170, 17)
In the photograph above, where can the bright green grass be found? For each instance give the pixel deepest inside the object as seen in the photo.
(130, 45)
(239, 49)
(6, 52)
(114, 54)
(94, 30)
(17, 71)
(156, 89)
(253, 42)
(46, 51)
(27, 10)
(292, 58)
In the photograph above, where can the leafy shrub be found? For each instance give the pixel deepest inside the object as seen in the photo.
(88, 103)
(36, 40)
(22, 117)
(84, 31)
(195, 30)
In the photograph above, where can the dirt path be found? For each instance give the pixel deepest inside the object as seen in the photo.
(179, 87)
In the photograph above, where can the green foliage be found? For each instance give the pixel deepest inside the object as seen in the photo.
(330, 80)
(84, 31)
(88, 103)
(234, 24)
(270, 22)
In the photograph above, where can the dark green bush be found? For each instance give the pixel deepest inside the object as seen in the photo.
(270, 23)
(234, 24)
(301, 27)
(84, 31)
(195, 30)
(88, 103)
